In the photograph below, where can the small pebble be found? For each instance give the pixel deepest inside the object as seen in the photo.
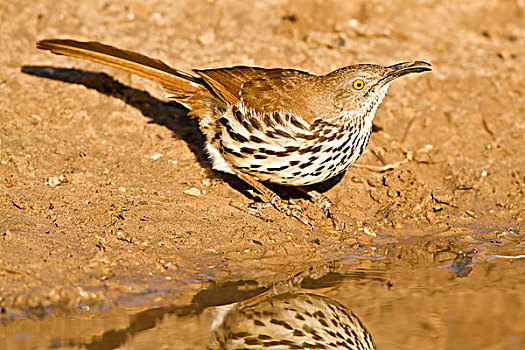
(207, 37)
(193, 192)
(54, 181)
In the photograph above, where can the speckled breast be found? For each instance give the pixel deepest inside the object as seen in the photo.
(282, 148)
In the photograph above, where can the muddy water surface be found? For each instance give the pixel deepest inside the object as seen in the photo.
(424, 293)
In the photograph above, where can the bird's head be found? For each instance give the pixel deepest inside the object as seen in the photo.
(359, 89)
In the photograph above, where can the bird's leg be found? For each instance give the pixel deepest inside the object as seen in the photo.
(289, 208)
(322, 201)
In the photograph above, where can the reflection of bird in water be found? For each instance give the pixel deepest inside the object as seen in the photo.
(290, 321)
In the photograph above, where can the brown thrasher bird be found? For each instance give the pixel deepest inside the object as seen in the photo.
(289, 321)
(284, 126)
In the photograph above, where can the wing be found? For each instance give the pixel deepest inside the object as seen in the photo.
(226, 83)
(264, 90)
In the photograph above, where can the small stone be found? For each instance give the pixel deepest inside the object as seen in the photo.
(53, 181)
(37, 118)
(422, 155)
(193, 192)
(156, 156)
(353, 23)
(207, 37)
(368, 231)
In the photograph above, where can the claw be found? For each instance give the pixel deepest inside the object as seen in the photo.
(291, 209)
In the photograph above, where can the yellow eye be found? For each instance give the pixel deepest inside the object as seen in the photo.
(358, 84)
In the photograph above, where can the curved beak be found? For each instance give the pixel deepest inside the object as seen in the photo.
(398, 70)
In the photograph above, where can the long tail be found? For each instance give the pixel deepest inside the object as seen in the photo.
(172, 79)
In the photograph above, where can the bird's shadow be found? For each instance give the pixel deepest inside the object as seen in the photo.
(166, 113)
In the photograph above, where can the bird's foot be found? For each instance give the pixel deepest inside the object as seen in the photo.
(291, 209)
(321, 201)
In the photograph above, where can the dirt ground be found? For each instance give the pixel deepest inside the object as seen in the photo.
(106, 191)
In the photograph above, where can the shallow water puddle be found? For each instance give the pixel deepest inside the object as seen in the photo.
(446, 293)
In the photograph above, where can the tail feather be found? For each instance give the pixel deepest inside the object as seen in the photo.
(172, 79)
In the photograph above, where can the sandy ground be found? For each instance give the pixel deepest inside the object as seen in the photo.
(106, 191)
